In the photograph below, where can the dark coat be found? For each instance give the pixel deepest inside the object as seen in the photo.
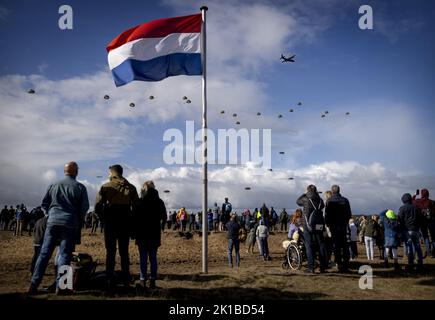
(233, 230)
(148, 214)
(304, 202)
(337, 213)
(40, 226)
(410, 216)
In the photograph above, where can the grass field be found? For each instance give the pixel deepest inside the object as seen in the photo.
(180, 274)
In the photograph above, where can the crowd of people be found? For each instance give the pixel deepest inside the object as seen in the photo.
(329, 231)
(18, 219)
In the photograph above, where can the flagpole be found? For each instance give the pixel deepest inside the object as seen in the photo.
(204, 143)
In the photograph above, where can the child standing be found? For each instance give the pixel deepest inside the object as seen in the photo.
(391, 234)
(262, 235)
(251, 238)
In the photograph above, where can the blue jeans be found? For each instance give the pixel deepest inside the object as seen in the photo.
(144, 253)
(413, 243)
(264, 247)
(233, 244)
(315, 238)
(54, 235)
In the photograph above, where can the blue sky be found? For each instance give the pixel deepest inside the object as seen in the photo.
(384, 77)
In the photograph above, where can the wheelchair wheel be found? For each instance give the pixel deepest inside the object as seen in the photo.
(285, 264)
(294, 257)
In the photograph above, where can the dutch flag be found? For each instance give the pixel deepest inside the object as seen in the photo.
(156, 50)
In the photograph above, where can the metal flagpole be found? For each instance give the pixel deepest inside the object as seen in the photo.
(204, 144)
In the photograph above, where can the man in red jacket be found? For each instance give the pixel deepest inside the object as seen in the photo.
(427, 207)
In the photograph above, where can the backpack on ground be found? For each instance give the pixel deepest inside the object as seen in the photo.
(84, 269)
(316, 221)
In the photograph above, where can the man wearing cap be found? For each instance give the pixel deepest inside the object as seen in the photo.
(114, 204)
(66, 201)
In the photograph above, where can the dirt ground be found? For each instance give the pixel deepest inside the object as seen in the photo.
(180, 273)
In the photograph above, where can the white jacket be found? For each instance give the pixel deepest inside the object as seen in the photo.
(262, 231)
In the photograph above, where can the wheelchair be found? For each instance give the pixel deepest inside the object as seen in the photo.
(295, 253)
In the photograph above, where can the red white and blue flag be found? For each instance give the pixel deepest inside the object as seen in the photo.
(156, 50)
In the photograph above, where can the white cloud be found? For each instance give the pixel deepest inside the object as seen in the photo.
(370, 188)
(49, 176)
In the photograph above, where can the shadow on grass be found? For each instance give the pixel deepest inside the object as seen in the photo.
(237, 293)
(427, 282)
(219, 293)
(191, 277)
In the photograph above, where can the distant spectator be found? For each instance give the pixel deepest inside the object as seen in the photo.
(273, 218)
(175, 225)
(251, 239)
(169, 220)
(19, 217)
(192, 221)
(3, 216)
(262, 235)
(361, 224)
(95, 220)
(233, 240)
(227, 209)
(182, 219)
(264, 211)
(210, 220)
(380, 236)
(283, 220)
(215, 217)
(353, 239)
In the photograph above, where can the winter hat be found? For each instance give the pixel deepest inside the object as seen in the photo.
(391, 215)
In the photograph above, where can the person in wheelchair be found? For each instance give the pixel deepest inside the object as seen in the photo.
(295, 225)
(294, 245)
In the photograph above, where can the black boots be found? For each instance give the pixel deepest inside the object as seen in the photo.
(153, 284)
